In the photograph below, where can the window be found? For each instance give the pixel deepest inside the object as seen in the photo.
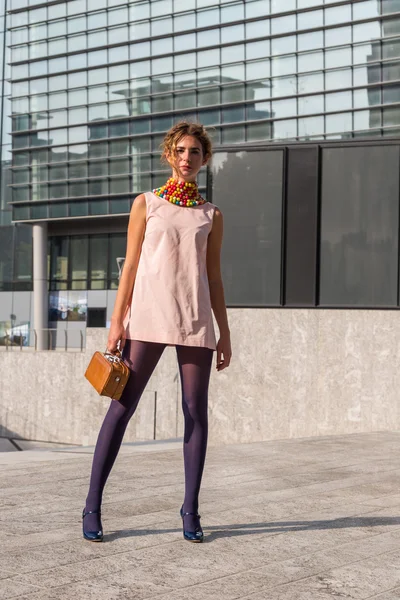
(359, 219)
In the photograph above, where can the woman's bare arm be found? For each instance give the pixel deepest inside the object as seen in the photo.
(217, 290)
(136, 230)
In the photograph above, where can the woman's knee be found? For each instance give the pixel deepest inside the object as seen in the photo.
(195, 406)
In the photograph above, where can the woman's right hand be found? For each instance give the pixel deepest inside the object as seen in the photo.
(116, 334)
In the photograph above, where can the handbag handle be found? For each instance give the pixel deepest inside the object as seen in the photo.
(115, 353)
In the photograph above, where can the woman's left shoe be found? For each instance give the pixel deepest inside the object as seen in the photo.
(92, 536)
(192, 536)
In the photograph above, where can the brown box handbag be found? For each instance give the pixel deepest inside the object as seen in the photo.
(108, 374)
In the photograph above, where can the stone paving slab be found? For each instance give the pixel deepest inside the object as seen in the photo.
(285, 520)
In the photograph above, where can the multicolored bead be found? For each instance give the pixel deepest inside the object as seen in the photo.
(181, 193)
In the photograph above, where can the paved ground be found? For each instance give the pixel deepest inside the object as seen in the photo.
(289, 520)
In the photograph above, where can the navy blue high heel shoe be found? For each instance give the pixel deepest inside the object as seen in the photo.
(92, 536)
(192, 536)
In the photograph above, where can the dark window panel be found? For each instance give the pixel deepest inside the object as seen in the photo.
(359, 226)
(301, 227)
(23, 266)
(251, 259)
(6, 252)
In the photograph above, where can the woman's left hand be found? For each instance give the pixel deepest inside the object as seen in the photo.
(224, 352)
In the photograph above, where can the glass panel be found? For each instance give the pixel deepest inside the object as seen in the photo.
(77, 189)
(119, 185)
(162, 103)
(255, 281)
(341, 122)
(284, 108)
(283, 45)
(98, 207)
(283, 65)
(284, 86)
(78, 209)
(78, 257)
(259, 110)
(286, 129)
(338, 36)
(339, 101)
(367, 31)
(119, 166)
(98, 248)
(208, 97)
(359, 226)
(98, 187)
(338, 57)
(337, 14)
(117, 249)
(186, 100)
(233, 93)
(310, 105)
(338, 79)
(58, 210)
(311, 126)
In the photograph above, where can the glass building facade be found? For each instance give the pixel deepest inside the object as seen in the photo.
(91, 86)
(96, 83)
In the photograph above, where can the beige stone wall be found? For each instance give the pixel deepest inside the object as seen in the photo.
(294, 373)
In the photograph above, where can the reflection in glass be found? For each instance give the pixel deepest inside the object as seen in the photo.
(208, 97)
(258, 69)
(232, 53)
(98, 187)
(232, 114)
(184, 100)
(338, 36)
(207, 18)
(206, 58)
(232, 93)
(366, 31)
(337, 14)
(391, 94)
(338, 57)
(77, 189)
(310, 126)
(284, 86)
(233, 12)
(284, 65)
(232, 34)
(233, 135)
(284, 108)
(257, 49)
(257, 29)
(341, 122)
(340, 78)
(58, 210)
(283, 45)
(286, 129)
(366, 97)
(338, 101)
(391, 116)
(308, 105)
(98, 207)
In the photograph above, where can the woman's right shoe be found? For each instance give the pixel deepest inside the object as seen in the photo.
(192, 536)
(92, 536)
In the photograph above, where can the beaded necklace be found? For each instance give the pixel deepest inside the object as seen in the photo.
(180, 192)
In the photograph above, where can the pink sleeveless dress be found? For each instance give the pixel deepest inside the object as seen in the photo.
(171, 296)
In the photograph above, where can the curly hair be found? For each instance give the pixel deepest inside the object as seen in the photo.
(182, 129)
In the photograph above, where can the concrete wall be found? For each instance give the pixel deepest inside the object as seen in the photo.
(294, 373)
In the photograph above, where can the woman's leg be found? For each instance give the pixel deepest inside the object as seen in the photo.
(141, 358)
(194, 368)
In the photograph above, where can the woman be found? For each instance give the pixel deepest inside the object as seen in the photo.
(170, 283)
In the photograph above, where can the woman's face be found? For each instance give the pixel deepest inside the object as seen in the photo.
(188, 158)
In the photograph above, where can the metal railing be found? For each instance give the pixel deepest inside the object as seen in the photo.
(22, 340)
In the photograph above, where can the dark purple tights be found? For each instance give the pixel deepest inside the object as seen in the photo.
(142, 358)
